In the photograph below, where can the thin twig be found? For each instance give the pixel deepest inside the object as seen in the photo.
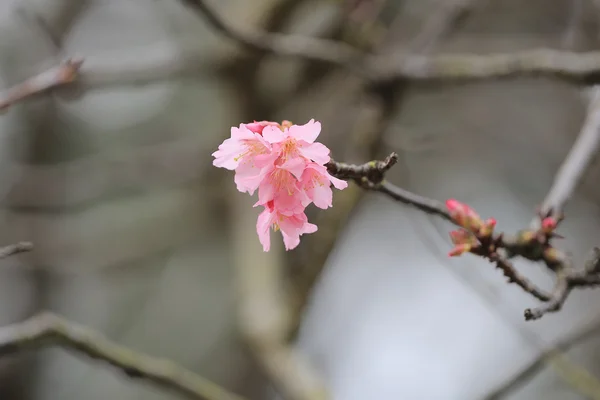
(554, 302)
(48, 329)
(430, 206)
(577, 160)
(515, 276)
(567, 65)
(61, 74)
(371, 176)
(16, 248)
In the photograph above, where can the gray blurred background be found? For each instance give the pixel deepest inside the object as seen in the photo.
(138, 236)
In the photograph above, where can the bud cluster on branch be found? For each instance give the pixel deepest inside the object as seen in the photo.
(291, 170)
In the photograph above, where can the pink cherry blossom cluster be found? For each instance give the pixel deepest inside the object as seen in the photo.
(287, 166)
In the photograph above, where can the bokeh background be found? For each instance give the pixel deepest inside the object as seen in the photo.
(138, 236)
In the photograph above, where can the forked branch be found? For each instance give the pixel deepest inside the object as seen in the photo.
(532, 244)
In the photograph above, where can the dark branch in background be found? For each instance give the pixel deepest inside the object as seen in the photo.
(446, 17)
(16, 248)
(61, 74)
(577, 160)
(533, 245)
(48, 329)
(387, 67)
(280, 44)
(562, 64)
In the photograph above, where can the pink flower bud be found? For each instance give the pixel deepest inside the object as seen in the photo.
(461, 236)
(463, 215)
(549, 224)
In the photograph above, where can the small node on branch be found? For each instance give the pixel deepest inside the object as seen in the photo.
(370, 173)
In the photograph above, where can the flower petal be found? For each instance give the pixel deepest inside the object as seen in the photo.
(317, 152)
(227, 156)
(273, 134)
(338, 183)
(263, 228)
(322, 196)
(307, 132)
(295, 166)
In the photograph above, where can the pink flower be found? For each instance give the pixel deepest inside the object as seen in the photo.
(298, 141)
(281, 186)
(247, 153)
(291, 227)
(286, 165)
(316, 182)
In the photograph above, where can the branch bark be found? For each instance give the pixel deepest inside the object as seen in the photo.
(16, 248)
(533, 245)
(389, 67)
(48, 329)
(61, 74)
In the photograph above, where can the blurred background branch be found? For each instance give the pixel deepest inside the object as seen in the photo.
(376, 77)
(48, 329)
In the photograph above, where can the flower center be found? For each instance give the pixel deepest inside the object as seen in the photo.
(283, 180)
(252, 148)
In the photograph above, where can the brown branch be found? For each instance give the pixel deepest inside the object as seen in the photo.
(386, 67)
(533, 245)
(563, 64)
(61, 74)
(515, 276)
(280, 44)
(559, 295)
(371, 176)
(372, 171)
(48, 329)
(149, 65)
